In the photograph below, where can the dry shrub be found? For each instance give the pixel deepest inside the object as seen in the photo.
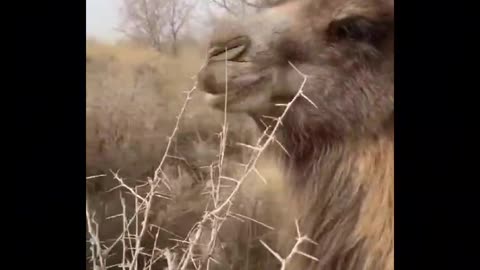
(134, 95)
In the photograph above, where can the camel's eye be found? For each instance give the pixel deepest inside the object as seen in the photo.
(356, 28)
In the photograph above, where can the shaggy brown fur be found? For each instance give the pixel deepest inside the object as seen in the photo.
(340, 163)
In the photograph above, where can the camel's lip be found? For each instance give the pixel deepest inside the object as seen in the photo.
(214, 100)
(248, 80)
(236, 85)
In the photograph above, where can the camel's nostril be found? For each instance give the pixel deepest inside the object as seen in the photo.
(231, 50)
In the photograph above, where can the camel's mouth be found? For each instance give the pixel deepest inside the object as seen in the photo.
(231, 79)
(242, 93)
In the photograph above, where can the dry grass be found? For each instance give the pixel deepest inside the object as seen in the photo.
(209, 199)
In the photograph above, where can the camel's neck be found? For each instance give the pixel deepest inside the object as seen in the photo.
(344, 195)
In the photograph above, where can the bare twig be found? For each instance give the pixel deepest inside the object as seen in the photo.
(95, 176)
(216, 216)
(95, 247)
(295, 250)
(212, 220)
(254, 220)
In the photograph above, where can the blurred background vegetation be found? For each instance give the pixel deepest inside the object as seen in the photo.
(135, 89)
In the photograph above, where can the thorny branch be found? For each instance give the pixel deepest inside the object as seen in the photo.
(213, 219)
(222, 210)
(144, 206)
(295, 250)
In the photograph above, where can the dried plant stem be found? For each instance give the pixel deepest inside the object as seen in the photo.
(211, 220)
(222, 210)
(295, 250)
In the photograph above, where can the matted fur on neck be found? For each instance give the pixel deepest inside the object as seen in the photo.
(342, 195)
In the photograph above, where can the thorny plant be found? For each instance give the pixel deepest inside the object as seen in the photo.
(211, 221)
